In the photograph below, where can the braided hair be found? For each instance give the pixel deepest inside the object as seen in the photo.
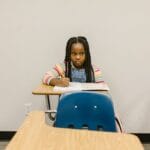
(87, 64)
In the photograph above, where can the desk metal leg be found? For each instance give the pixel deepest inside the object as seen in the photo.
(48, 103)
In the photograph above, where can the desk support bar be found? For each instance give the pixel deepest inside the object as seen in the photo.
(48, 105)
(49, 113)
(47, 100)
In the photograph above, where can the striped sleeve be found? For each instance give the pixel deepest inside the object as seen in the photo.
(55, 72)
(98, 75)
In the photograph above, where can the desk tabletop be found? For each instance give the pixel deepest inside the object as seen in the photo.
(43, 89)
(35, 134)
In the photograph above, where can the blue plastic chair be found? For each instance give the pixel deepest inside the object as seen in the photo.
(90, 110)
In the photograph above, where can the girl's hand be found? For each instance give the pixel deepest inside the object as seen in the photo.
(64, 82)
(60, 82)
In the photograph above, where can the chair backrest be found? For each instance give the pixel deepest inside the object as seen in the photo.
(90, 110)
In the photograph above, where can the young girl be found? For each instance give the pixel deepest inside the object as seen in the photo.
(77, 66)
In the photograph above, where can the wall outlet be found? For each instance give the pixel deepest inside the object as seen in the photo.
(27, 108)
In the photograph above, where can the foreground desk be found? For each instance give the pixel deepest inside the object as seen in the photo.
(47, 90)
(35, 134)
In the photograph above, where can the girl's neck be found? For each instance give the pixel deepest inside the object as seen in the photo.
(73, 66)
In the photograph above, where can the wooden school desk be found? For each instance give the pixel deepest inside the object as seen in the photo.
(35, 134)
(47, 90)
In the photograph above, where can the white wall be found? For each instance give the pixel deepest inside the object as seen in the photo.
(33, 36)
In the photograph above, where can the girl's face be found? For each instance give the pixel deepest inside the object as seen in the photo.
(77, 55)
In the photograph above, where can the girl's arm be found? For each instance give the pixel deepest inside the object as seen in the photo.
(53, 77)
(97, 74)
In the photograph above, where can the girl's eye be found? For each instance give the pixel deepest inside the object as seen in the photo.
(73, 53)
(81, 54)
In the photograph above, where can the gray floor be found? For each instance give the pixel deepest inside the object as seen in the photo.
(146, 146)
(3, 145)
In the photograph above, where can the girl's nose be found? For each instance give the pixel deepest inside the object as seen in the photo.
(78, 56)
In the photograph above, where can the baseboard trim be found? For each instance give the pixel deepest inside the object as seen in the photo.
(7, 135)
(144, 137)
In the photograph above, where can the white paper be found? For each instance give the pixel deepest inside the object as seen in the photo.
(94, 86)
(76, 86)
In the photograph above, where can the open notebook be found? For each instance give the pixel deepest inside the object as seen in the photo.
(76, 86)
